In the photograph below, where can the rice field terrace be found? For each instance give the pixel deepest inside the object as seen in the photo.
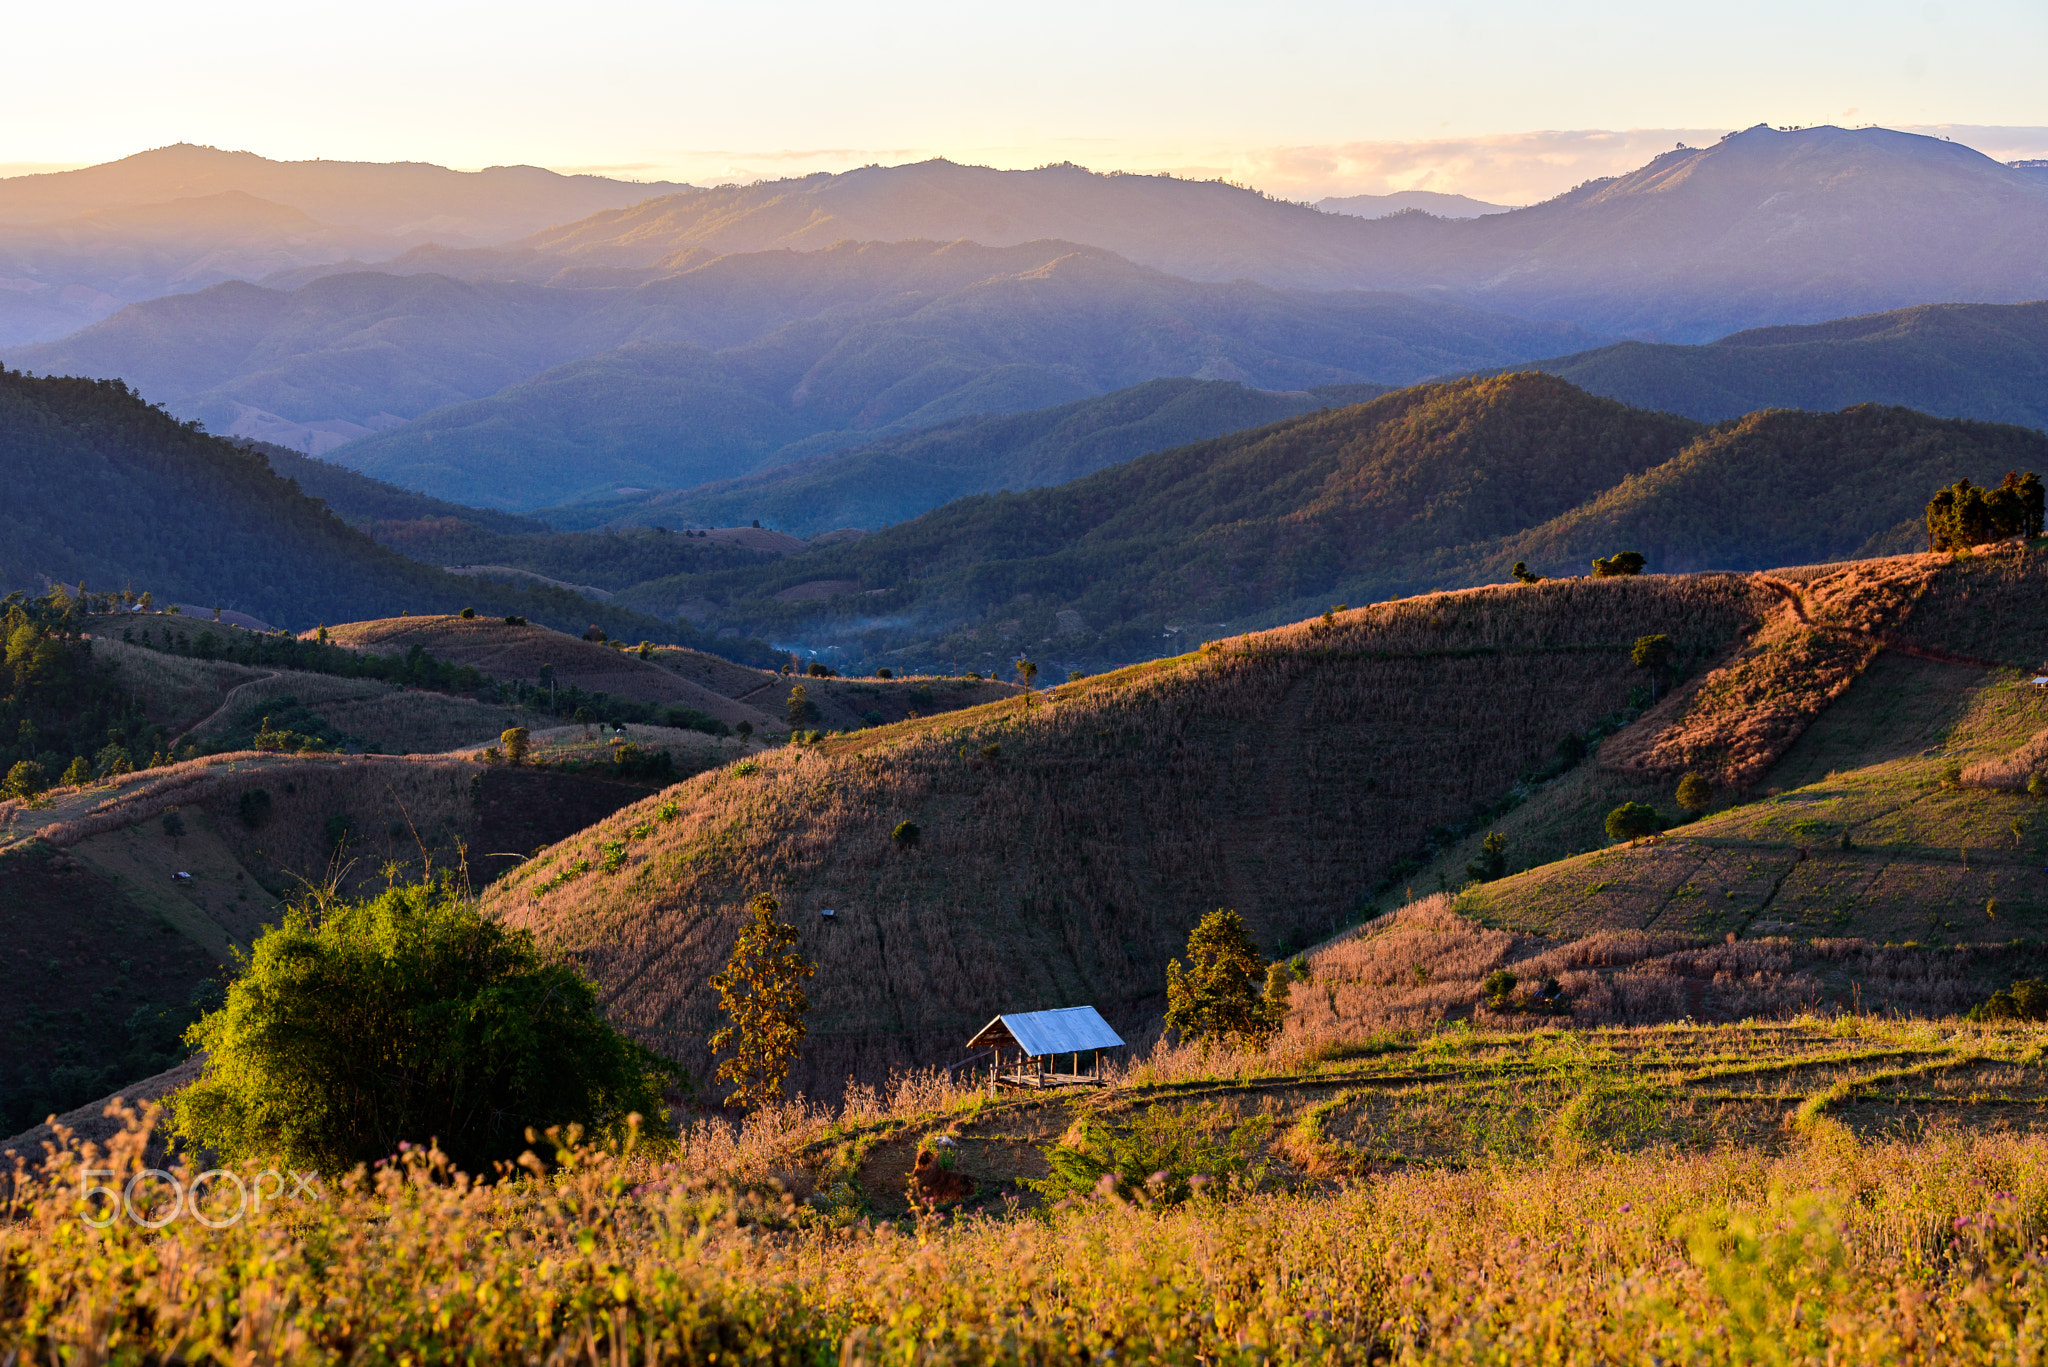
(1822, 1190)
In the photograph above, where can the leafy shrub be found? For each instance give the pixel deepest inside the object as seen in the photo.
(745, 767)
(1695, 794)
(2025, 1000)
(1633, 821)
(516, 741)
(252, 808)
(1619, 565)
(612, 856)
(174, 824)
(1160, 1157)
(1652, 652)
(515, 621)
(340, 827)
(468, 614)
(644, 765)
(800, 709)
(906, 834)
(1493, 859)
(408, 1017)
(1524, 575)
(1499, 987)
(25, 779)
(884, 673)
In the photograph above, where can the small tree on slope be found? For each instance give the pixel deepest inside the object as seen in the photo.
(1216, 999)
(760, 990)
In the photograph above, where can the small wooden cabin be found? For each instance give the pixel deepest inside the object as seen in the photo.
(1029, 1045)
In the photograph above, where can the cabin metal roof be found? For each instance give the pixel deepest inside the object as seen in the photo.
(1068, 1030)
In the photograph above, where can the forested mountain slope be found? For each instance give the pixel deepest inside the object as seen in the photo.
(1987, 361)
(899, 477)
(103, 488)
(1440, 485)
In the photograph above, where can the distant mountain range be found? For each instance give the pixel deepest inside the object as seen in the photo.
(728, 365)
(77, 245)
(1953, 360)
(1402, 201)
(1764, 227)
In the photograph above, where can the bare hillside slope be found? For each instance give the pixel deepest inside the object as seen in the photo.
(1066, 845)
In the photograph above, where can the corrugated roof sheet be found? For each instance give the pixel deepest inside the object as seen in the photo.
(1069, 1030)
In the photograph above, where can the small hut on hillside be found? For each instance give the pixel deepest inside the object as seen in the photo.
(1034, 1041)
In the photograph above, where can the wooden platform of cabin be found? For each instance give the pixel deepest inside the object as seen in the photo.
(1035, 1081)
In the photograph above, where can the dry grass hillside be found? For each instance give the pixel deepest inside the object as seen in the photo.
(1426, 963)
(846, 704)
(731, 693)
(1899, 812)
(517, 653)
(220, 703)
(1068, 843)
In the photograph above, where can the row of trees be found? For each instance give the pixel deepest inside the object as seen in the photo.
(1964, 515)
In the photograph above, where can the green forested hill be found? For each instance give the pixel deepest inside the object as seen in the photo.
(103, 488)
(1986, 361)
(1783, 487)
(900, 477)
(360, 500)
(1440, 485)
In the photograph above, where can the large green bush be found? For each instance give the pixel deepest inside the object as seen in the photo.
(408, 1017)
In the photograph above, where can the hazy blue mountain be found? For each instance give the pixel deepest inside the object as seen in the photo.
(77, 245)
(1402, 201)
(1764, 227)
(899, 477)
(731, 364)
(1985, 361)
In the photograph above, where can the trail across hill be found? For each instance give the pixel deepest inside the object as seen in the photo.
(1790, 593)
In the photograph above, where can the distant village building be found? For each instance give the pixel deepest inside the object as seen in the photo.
(1033, 1043)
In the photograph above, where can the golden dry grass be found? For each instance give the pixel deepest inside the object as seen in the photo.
(1823, 1192)
(1732, 724)
(2013, 770)
(1986, 606)
(1425, 964)
(511, 654)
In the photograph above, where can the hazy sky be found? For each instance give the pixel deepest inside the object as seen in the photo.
(1302, 98)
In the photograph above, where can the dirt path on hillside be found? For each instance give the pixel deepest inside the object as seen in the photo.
(1791, 594)
(225, 703)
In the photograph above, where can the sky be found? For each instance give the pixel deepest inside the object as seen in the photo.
(1509, 102)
